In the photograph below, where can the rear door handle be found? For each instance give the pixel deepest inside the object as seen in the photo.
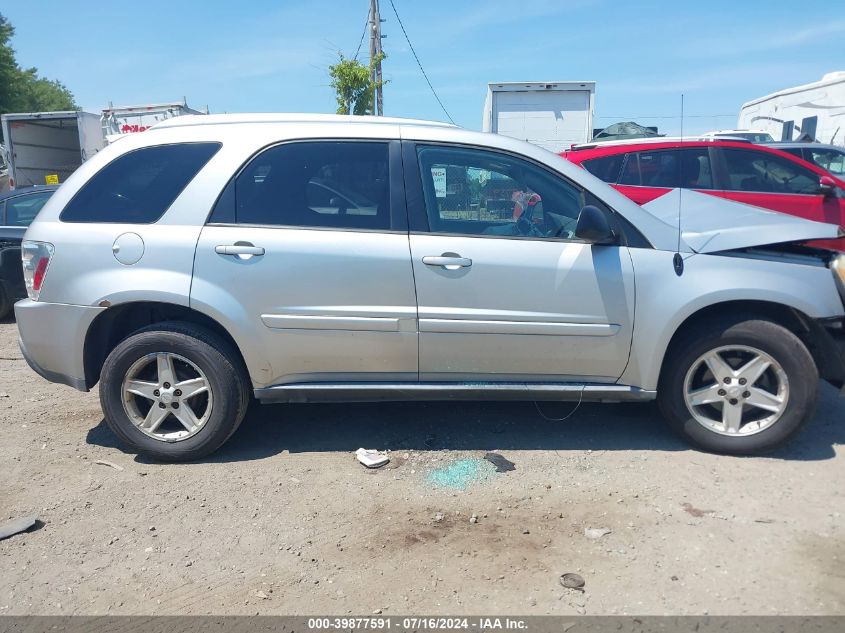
(447, 261)
(238, 249)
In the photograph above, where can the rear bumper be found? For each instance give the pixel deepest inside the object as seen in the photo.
(52, 339)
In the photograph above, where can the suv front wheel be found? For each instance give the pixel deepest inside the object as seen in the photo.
(738, 386)
(173, 391)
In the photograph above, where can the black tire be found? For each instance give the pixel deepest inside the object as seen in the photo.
(773, 339)
(6, 304)
(221, 364)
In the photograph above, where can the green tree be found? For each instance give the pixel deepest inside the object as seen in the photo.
(9, 84)
(353, 84)
(23, 90)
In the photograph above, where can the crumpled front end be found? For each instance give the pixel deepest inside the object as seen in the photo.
(710, 224)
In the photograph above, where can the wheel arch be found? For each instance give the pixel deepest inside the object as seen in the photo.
(122, 320)
(811, 333)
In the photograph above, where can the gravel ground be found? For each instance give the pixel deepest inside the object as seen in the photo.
(283, 520)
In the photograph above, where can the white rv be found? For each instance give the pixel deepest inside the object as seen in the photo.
(553, 115)
(813, 111)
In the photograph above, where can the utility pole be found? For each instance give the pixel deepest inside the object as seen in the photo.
(375, 52)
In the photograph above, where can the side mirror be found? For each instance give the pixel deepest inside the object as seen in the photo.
(594, 226)
(827, 185)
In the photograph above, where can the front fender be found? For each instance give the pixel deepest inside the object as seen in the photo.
(665, 301)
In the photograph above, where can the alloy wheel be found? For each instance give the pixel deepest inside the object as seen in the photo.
(736, 390)
(167, 397)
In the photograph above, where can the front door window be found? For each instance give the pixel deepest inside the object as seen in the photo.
(762, 172)
(476, 192)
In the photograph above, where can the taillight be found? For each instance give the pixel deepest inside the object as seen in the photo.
(11, 183)
(36, 259)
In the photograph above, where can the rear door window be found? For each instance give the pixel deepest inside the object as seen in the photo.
(328, 184)
(684, 168)
(762, 172)
(139, 186)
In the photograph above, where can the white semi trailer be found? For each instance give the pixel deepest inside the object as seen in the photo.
(814, 111)
(554, 115)
(47, 147)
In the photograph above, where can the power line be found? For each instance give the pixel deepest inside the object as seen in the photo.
(419, 63)
(366, 24)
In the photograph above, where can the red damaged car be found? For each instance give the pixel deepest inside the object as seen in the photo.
(738, 171)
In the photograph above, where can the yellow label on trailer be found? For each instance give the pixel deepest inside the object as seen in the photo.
(52, 179)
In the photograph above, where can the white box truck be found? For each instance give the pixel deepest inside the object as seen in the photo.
(554, 115)
(121, 120)
(46, 147)
(815, 111)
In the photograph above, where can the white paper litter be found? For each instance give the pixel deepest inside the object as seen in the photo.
(595, 533)
(371, 458)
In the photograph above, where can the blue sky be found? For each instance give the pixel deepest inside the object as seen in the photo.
(259, 55)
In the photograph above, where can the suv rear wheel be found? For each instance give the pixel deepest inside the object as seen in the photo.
(173, 391)
(738, 386)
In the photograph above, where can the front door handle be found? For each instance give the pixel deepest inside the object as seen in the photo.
(449, 261)
(242, 248)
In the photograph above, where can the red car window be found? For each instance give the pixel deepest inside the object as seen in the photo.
(687, 168)
(832, 160)
(767, 173)
(605, 167)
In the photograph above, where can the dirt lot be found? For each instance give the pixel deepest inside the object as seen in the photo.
(283, 520)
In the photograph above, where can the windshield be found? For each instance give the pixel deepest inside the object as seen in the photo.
(754, 137)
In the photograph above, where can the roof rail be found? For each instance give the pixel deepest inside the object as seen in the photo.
(656, 139)
(290, 117)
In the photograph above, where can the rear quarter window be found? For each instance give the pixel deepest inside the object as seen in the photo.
(139, 186)
(606, 167)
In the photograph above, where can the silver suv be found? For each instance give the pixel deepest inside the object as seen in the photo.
(302, 258)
